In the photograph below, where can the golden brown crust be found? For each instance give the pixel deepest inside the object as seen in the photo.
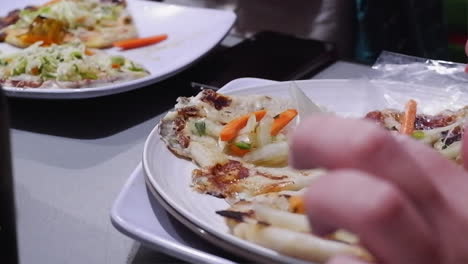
(104, 38)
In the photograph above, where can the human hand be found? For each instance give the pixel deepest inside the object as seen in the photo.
(406, 202)
(466, 48)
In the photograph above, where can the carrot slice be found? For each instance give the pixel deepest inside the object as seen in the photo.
(296, 205)
(409, 118)
(139, 42)
(231, 129)
(89, 52)
(35, 71)
(259, 115)
(238, 151)
(51, 2)
(282, 120)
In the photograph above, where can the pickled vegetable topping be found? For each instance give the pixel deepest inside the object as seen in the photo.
(47, 30)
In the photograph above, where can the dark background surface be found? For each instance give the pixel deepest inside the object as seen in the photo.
(267, 55)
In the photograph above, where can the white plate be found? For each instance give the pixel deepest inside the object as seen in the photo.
(193, 32)
(170, 176)
(138, 215)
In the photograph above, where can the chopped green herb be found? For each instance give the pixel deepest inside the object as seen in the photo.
(418, 135)
(118, 60)
(201, 128)
(45, 9)
(243, 145)
(77, 55)
(45, 60)
(135, 68)
(76, 69)
(88, 75)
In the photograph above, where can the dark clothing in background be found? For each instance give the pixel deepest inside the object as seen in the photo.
(413, 27)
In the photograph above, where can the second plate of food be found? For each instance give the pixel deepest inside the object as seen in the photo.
(239, 192)
(83, 65)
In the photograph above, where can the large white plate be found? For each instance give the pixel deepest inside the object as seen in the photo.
(170, 176)
(192, 33)
(138, 215)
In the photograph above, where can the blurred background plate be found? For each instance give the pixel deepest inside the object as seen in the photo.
(193, 32)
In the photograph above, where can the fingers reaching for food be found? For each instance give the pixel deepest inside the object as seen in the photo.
(387, 222)
(387, 188)
(345, 260)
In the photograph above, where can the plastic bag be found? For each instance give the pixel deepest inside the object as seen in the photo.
(398, 67)
(437, 84)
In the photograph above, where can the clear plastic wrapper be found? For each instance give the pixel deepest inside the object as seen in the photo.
(438, 85)
(404, 68)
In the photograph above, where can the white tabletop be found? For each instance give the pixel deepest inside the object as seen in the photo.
(70, 161)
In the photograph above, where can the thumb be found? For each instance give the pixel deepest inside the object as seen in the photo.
(464, 150)
(345, 260)
(466, 48)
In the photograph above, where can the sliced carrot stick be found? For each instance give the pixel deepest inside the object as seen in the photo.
(259, 114)
(89, 52)
(139, 42)
(407, 122)
(238, 151)
(231, 129)
(296, 205)
(51, 2)
(282, 120)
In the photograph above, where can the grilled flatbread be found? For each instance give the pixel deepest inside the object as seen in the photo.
(277, 221)
(193, 130)
(443, 131)
(96, 23)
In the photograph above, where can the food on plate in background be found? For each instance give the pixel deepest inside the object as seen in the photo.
(96, 23)
(139, 42)
(70, 65)
(443, 131)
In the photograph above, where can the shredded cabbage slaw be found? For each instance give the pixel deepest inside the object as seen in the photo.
(66, 63)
